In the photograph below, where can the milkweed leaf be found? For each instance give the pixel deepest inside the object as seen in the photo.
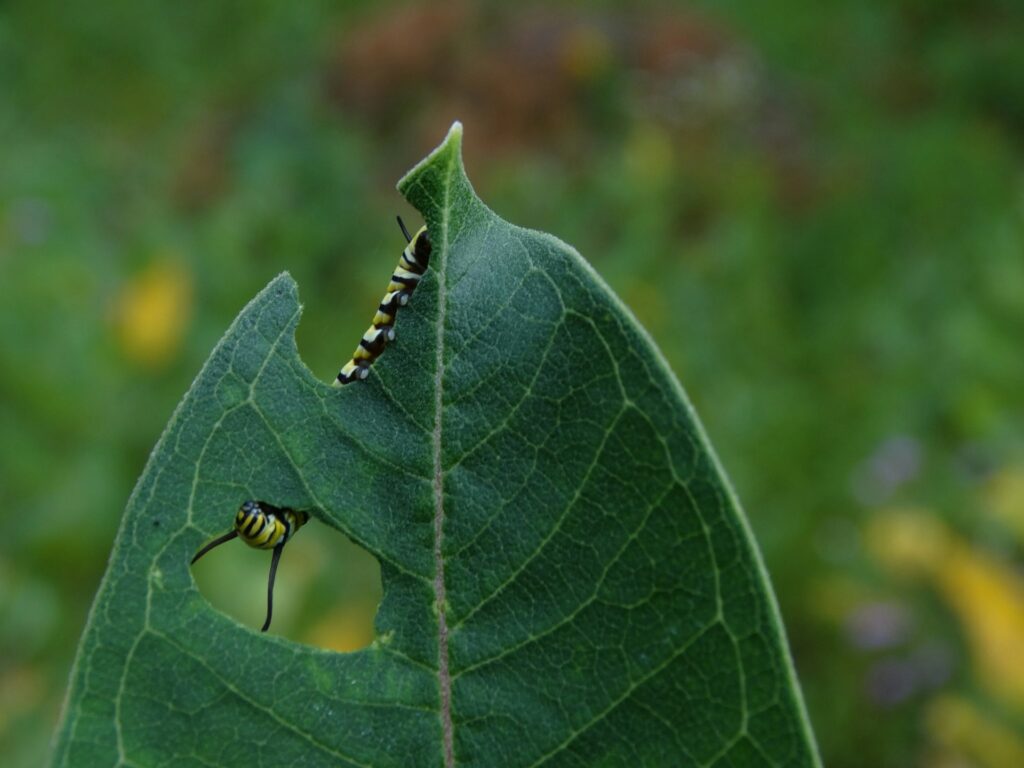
(568, 578)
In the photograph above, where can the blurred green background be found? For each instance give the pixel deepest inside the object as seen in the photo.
(817, 210)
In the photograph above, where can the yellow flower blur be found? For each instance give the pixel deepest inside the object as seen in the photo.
(986, 595)
(152, 313)
(958, 726)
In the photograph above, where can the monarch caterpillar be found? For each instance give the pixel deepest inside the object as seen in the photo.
(262, 526)
(404, 280)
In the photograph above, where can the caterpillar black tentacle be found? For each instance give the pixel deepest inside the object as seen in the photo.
(411, 267)
(262, 526)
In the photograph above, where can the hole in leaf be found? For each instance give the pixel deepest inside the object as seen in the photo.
(326, 592)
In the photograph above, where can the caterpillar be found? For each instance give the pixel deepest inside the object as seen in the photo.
(411, 267)
(262, 526)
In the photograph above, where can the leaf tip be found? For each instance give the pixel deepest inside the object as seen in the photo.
(283, 279)
(425, 173)
(454, 133)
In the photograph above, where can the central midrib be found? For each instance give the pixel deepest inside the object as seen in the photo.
(444, 676)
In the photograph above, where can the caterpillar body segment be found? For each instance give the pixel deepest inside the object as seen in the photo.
(265, 526)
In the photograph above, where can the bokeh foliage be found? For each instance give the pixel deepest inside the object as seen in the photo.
(821, 225)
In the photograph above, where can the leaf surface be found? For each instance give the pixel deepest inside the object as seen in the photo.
(568, 579)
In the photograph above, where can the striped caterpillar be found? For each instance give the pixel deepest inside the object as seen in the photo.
(411, 267)
(262, 526)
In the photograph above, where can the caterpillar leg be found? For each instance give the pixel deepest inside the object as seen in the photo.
(352, 371)
(374, 341)
(270, 584)
(369, 349)
(388, 308)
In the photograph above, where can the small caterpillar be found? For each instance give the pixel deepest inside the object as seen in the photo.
(404, 280)
(262, 526)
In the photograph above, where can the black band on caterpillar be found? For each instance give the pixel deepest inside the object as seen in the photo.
(411, 267)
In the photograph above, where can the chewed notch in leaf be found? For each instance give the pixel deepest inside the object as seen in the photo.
(568, 578)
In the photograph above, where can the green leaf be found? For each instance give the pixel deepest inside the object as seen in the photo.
(568, 578)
